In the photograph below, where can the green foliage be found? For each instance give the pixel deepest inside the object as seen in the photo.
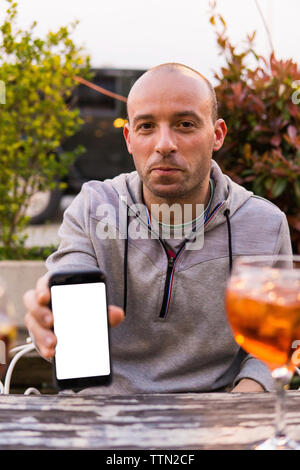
(36, 117)
(262, 147)
(22, 253)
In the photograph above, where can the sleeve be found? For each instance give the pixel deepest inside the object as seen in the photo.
(254, 369)
(75, 250)
(283, 245)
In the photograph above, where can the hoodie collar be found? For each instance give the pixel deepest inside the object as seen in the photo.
(227, 194)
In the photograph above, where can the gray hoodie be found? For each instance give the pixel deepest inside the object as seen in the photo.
(175, 336)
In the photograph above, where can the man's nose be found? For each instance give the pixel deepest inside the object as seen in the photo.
(165, 143)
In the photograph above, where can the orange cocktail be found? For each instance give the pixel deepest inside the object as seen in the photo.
(266, 322)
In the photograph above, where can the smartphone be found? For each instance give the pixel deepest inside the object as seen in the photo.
(80, 310)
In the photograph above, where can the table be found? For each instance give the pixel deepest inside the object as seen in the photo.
(159, 421)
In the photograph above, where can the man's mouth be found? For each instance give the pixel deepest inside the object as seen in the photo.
(165, 170)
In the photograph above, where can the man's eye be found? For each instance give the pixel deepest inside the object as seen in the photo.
(145, 126)
(186, 124)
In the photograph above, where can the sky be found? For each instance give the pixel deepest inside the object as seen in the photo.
(140, 34)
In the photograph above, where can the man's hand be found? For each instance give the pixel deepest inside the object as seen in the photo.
(39, 318)
(248, 386)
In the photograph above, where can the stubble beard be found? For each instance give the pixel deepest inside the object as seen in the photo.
(181, 190)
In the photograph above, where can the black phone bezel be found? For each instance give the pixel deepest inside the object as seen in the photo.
(80, 277)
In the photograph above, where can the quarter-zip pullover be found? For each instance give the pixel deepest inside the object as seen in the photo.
(175, 336)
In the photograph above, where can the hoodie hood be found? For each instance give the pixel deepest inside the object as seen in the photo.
(228, 195)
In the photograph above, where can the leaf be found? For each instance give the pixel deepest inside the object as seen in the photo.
(276, 140)
(292, 132)
(251, 38)
(258, 185)
(294, 222)
(278, 187)
(222, 20)
(268, 183)
(247, 172)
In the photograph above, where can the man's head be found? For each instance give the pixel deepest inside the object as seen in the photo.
(172, 131)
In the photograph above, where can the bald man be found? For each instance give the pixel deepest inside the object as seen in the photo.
(165, 235)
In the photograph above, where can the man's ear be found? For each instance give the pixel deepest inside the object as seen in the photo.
(220, 133)
(126, 134)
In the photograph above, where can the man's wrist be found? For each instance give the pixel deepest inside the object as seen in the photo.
(248, 386)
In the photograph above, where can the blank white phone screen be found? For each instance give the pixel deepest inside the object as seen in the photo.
(80, 325)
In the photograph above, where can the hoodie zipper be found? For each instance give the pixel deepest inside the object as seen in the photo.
(163, 311)
(171, 268)
(169, 281)
(171, 262)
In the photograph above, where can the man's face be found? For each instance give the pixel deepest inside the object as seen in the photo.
(171, 134)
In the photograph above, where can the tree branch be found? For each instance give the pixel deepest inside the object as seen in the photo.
(265, 25)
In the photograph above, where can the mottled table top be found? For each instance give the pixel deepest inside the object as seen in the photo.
(160, 421)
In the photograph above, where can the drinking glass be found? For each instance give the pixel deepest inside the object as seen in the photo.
(263, 308)
(8, 329)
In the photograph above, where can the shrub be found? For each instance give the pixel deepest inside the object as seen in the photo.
(262, 147)
(22, 253)
(35, 118)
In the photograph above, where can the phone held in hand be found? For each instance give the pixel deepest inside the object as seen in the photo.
(80, 311)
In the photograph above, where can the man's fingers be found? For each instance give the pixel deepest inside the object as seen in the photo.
(42, 290)
(42, 314)
(115, 315)
(39, 319)
(44, 339)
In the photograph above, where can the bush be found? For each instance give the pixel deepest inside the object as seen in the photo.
(35, 118)
(262, 147)
(22, 253)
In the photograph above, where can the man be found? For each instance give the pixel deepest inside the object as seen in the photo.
(175, 336)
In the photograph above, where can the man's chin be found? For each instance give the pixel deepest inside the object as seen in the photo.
(167, 191)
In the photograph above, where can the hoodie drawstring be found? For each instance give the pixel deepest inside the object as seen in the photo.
(126, 262)
(226, 214)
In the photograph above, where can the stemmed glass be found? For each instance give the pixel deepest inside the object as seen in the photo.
(263, 309)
